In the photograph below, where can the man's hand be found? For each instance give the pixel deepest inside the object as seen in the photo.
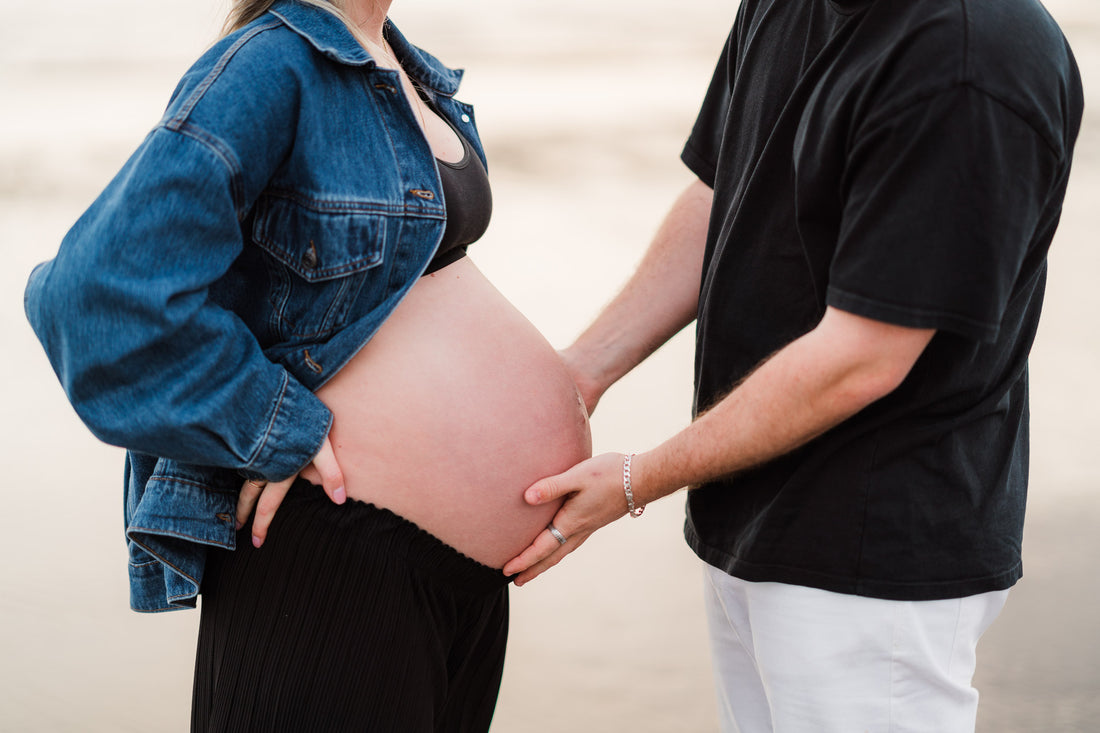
(594, 491)
(660, 299)
(590, 390)
(265, 498)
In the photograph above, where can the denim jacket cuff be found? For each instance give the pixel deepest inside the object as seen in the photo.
(295, 434)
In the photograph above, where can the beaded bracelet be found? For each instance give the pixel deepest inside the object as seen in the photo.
(633, 511)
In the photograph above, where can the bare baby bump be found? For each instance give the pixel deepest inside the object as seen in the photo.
(455, 407)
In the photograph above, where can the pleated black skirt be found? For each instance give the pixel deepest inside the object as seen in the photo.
(349, 618)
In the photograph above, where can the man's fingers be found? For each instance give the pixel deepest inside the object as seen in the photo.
(268, 504)
(543, 553)
(544, 545)
(536, 570)
(546, 490)
(548, 562)
(593, 488)
(595, 470)
(328, 470)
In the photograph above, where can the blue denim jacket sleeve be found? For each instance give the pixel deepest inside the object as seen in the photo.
(174, 512)
(148, 361)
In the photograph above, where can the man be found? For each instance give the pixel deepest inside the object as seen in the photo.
(881, 179)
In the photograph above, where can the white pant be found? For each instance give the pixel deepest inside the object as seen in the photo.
(790, 659)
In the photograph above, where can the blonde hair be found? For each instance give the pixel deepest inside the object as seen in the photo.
(244, 12)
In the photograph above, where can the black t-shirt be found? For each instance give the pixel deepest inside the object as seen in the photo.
(906, 161)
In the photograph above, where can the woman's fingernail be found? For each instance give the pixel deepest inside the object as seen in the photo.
(256, 541)
(532, 496)
(239, 524)
(340, 495)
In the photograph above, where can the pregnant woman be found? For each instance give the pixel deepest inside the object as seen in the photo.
(275, 290)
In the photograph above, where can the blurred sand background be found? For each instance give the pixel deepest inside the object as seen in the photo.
(584, 105)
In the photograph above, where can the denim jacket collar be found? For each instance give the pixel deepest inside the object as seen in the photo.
(330, 36)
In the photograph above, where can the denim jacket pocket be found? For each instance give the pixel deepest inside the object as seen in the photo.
(319, 257)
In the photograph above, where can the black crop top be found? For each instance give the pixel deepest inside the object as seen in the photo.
(469, 202)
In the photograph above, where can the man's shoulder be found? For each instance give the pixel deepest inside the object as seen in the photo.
(992, 40)
(1009, 50)
(1012, 44)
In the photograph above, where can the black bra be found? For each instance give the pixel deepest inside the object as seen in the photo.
(469, 203)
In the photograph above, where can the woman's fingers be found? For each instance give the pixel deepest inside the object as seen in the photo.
(328, 472)
(265, 498)
(311, 474)
(246, 500)
(270, 499)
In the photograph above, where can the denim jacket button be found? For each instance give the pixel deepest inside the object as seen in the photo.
(312, 363)
(465, 118)
(309, 259)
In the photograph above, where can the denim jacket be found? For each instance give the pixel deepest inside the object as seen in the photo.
(256, 240)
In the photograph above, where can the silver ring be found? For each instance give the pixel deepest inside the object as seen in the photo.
(557, 534)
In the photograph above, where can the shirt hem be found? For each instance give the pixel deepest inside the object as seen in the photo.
(699, 165)
(889, 590)
(910, 317)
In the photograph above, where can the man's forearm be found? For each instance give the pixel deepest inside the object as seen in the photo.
(659, 299)
(810, 386)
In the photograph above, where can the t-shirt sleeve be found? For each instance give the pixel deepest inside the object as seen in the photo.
(701, 150)
(943, 199)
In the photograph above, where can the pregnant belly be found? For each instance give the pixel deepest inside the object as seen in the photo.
(455, 407)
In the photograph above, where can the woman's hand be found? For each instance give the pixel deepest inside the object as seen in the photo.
(595, 498)
(265, 498)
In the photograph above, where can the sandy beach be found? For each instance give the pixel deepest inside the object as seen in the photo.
(584, 107)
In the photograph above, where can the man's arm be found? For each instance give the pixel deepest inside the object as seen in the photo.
(659, 299)
(814, 383)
